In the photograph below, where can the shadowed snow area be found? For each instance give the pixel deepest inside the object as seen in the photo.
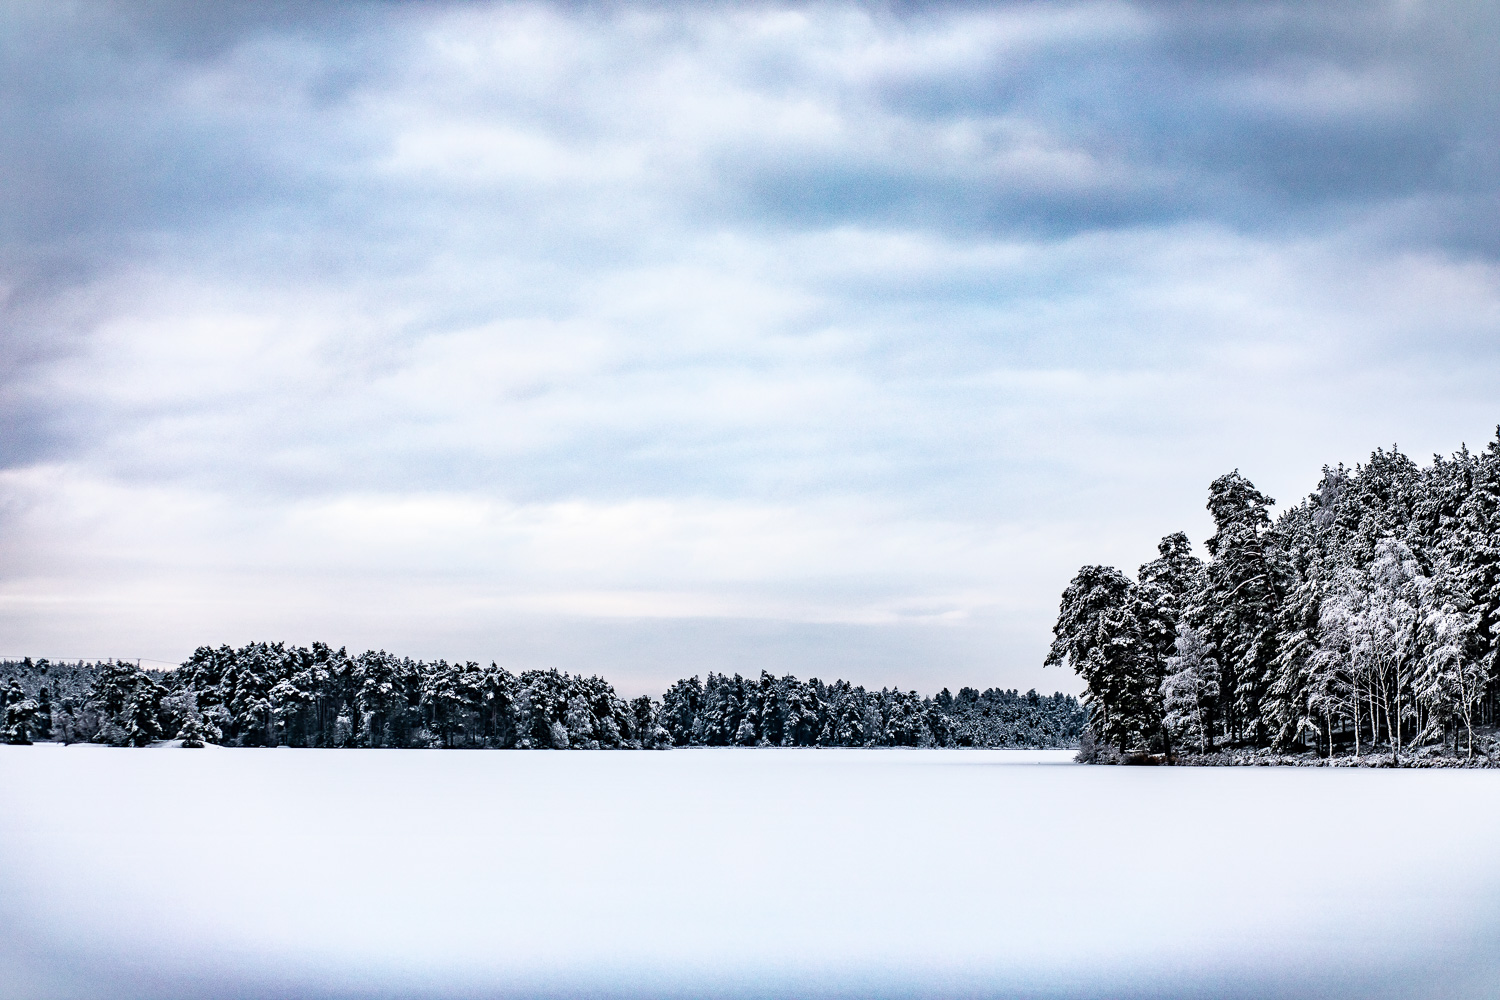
(735, 873)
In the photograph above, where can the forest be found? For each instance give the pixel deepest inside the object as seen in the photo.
(1360, 623)
(272, 694)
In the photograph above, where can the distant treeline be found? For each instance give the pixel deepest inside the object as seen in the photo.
(272, 694)
(1365, 618)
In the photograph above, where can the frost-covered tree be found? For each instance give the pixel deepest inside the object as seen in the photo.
(679, 710)
(643, 713)
(1339, 682)
(1364, 617)
(1236, 607)
(1096, 634)
(1176, 570)
(19, 715)
(580, 724)
(850, 713)
(1191, 690)
(273, 693)
(44, 713)
(1471, 547)
(1153, 612)
(1450, 678)
(387, 698)
(191, 734)
(1392, 633)
(801, 725)
(128, 701)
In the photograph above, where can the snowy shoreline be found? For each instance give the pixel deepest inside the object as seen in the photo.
(1255, 758)
(1425, 757)
(1422, 757)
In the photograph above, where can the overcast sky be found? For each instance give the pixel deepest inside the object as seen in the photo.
(651, 340)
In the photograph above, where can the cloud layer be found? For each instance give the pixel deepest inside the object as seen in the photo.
(652, 340)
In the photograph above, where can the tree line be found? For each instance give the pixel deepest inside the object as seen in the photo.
(1362, 618)
(273, 694)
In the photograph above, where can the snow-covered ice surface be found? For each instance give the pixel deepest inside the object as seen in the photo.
(736, 873)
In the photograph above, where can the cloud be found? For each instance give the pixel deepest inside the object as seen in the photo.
(687, 336)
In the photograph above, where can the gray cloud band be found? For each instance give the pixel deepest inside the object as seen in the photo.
(905, 268)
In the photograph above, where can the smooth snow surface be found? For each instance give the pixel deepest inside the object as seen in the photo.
(736, 873)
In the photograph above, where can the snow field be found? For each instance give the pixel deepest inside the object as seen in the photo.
(736, 873)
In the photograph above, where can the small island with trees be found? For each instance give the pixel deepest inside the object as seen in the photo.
(1357, 628)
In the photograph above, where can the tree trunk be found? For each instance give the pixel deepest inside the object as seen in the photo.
(1393, 723)
(1356, 720)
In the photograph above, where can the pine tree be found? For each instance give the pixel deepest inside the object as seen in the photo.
(679, 710)
(801, 726)
(19, 715)
(141, 721)
(382, 699)
(1153, 621)
(1236, 608)
(497, 698)
(718, 716)
(1472, 549)
(191, 734)
(643, 713)
(128, 702)
(850, 727)
(1175, 570)
(1294, 710)
(579, 724)
(1096, 634)
(44, 713)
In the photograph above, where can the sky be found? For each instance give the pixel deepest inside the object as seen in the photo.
(650, 340)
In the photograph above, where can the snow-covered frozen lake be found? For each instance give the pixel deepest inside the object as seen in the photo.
(736, 873)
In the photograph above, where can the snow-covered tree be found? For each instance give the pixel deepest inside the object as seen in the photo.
(1176, 570)
(128, 701)
(1450, 679)
(679, 710)
(1236, 607)
(1096, 635)
(1392, 634)
(18, 716)
(191, 734)
(1191, 690)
